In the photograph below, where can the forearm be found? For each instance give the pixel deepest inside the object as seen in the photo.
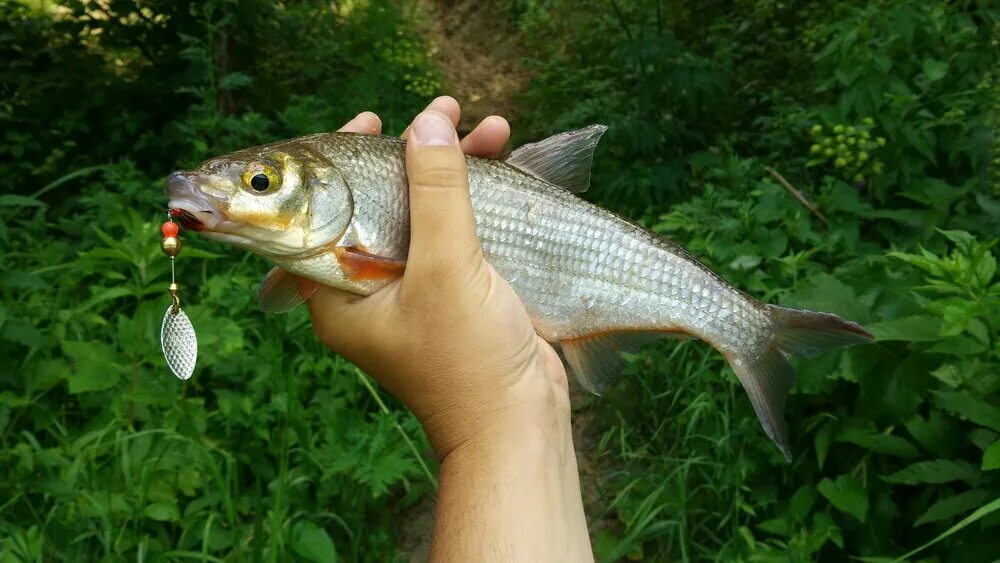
(513, 496)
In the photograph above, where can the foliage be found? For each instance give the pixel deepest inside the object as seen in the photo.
(883, 114)
(277, 450)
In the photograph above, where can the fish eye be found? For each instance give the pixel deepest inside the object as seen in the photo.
(259, 182)
(261, 178)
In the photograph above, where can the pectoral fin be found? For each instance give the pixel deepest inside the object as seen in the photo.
(359, 264)
(281, 291)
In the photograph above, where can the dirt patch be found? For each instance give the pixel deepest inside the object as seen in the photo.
(479, 53)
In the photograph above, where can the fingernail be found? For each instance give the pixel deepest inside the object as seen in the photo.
(431, 129)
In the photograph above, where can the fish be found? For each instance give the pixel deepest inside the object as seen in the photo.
(333, 208)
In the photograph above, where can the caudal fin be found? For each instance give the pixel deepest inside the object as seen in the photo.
(767, 375)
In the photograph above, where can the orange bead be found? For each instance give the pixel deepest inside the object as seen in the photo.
(170, 229)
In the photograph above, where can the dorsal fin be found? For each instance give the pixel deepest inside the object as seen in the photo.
(596, 360)
(564, 159)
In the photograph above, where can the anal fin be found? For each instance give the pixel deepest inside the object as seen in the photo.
(767, 379)
(596, 360)
(281, 291)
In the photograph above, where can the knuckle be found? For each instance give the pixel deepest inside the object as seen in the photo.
(435, 177)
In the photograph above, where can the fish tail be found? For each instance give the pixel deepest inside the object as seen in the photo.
(766, 373)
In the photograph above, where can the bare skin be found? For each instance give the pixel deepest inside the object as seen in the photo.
(451, 339)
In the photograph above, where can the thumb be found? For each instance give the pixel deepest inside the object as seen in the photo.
(443, 238)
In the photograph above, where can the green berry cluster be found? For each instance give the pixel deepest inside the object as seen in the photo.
(410, 55)
(402, 51)
(815, 36)
(850, 149)
(424, 85)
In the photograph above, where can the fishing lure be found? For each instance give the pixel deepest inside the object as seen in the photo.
(177, 338)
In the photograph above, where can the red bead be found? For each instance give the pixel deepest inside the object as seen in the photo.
(170, 229)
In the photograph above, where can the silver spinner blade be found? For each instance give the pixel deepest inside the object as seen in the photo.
(180, 346)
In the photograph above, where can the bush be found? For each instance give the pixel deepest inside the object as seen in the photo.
(881, 114)
(275, 450)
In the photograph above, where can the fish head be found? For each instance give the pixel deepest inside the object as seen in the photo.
(278, 200)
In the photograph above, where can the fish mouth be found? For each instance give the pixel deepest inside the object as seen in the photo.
(192, 208)
(187, 219)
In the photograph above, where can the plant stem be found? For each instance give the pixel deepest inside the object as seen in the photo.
(797, 195)
(413, 447)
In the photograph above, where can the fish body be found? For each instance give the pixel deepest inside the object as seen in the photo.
(593, 283)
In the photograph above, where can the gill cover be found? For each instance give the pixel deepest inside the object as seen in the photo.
(331, 207)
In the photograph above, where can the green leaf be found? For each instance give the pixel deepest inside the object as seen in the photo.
(958, 346)
(918, 328)
(12, 200)
(948, 374)
(776, 526)
(970, 519)
(880, 443)
(956, 315)
(802, 502)
(22, 332)
(962, 239)
(847, 495)
(986, 268)
(979, 329)
(967, 406)
(824, 437)
(953, 505)
(94, 366)
(991, 457)
(935, 471)
(934, 69)
(311, 542)
(163, 512)
(234, 81)
(936, 432)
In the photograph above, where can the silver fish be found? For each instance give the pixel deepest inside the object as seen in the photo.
(333, 208)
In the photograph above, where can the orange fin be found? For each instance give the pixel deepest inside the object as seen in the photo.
(281, 291)
(359, 264)
(596, 360)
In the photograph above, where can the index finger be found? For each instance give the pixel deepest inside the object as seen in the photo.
(445, 105)
(365, 122)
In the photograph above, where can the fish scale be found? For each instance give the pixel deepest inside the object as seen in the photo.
(593, 283)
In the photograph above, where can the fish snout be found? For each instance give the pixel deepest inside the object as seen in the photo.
(192, 207)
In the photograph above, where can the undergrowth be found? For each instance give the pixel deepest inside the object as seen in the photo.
(834, 156)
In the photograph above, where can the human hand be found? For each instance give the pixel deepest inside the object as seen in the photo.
(450, 338)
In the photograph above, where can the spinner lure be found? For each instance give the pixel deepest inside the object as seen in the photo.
(177, 338)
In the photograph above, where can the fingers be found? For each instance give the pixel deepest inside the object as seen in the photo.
(443, 236)
(445, 105)
(364, 122)
(488, 138)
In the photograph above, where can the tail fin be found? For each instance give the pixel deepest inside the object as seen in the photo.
(767, 374)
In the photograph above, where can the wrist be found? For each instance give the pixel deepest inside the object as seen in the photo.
(534, 408)
(521, 489)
